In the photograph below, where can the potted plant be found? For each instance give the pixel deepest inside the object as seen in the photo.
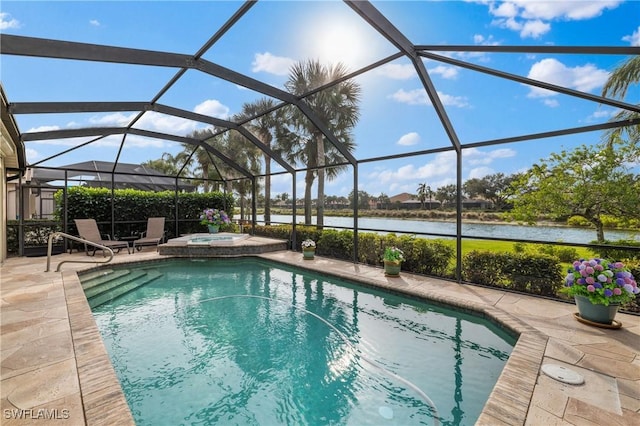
(599, 287)
(392, 259)
(308, 249)
(214, 218)
(36, 238)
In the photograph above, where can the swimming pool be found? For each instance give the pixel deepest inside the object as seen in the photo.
(245, 341)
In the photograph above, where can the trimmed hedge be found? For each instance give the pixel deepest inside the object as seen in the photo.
(131, 205)
(618, 254)
(531, 273)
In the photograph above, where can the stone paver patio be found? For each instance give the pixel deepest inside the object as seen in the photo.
(55, 369)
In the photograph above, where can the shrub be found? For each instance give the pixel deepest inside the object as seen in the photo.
(532, 273)
(520, 247)
(578, 221)
(618, 254)
(483, 267)
(131, 205)
(567, 254)
(338, 244)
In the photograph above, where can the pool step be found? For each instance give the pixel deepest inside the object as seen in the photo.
(113, 282)
(121, 286)
(99, 278)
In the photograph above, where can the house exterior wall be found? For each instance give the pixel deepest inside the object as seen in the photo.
(11, 157)
(8, 156)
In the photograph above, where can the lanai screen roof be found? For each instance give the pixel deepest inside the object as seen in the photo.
(126, 82)
(100, 174)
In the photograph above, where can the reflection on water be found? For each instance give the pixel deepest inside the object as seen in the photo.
(495, 230)
(245, 342)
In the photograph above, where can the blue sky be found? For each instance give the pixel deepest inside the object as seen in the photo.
(396, 116)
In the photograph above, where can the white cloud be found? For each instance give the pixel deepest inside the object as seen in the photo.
(409, 139)
(439, 171)
(60, 142)
(633, 39)
(450, 100)
(397, 71)
(166, 123)
(534, 29)
(407, 71)
(532, 18)
(476, 157)
(213, 108)
(135, 141)
(117, 119)
(94, 22)
(419, 97)
(551, 103)
(7, 22)
(267, 62)
(600, 114)
(412, 97)
(445, 71)
(504, 10)
(32, 155)
(565, 10)
(42, 129)
(480, 172)
(584, 78)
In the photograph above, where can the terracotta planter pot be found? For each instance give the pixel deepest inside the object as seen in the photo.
(391, 268)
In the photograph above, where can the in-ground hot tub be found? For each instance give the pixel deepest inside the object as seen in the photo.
(211, 239)
(220, 244)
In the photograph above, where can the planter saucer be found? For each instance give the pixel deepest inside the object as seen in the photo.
(614, 324)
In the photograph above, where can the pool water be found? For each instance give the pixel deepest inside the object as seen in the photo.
(245, 341)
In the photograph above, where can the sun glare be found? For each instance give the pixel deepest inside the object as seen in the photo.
(340, 41)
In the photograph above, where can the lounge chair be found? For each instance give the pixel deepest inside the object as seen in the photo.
(88, 230)
(154, 234)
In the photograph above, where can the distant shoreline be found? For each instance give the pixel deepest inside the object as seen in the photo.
(437, 216)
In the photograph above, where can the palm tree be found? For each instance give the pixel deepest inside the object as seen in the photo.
(424, 191)
(384, 200)
(203, 158)
(626, 75)
(165, 165)
(246, 156)
(336, 107)
(264, 128)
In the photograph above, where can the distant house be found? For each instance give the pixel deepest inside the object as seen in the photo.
(411, 202)
(477, 204)
(468, 204)
(400, 198)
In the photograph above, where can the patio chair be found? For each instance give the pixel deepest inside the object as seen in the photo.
(88, 230)
(154, 234)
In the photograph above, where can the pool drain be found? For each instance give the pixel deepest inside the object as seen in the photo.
(386, 412)
(563, 374)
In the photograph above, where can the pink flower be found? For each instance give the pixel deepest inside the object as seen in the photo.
(591, 288)
(589, 270)
(599, 268)
(617, 291)
(590, 280)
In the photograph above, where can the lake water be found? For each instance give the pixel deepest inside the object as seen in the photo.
(494, 230)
